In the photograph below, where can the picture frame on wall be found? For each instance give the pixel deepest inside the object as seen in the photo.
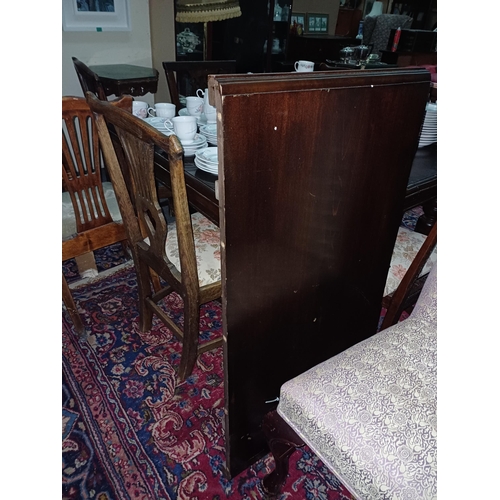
(316, 23)
(96, 15)
(298, 18)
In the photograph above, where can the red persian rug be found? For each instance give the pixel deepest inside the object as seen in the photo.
(130, 432)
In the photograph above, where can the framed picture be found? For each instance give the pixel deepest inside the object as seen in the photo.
(96, 15)
(299, 19)
(317, 23)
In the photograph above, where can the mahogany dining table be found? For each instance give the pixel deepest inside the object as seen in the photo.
(200, 185)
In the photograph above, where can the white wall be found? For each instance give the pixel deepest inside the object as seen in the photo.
(127, 47)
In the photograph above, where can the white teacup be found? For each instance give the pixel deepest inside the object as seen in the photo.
(194, 105)
(302, 66)
(162, 110)
(211, 114)
(185, 127)
(140, 109)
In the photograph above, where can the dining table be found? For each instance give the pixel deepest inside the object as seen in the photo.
(201, 186)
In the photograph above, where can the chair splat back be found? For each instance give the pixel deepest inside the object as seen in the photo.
(138, 140)
(89, 81)
(167, 251)
(81, 165)
(186, 77)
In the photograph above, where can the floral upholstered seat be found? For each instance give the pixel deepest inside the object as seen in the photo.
(407, 245)
(207, 246)
(369, 413)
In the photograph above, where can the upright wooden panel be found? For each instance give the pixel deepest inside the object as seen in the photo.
(313, 173)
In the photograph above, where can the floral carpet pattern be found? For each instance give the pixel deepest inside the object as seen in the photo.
(129, 430)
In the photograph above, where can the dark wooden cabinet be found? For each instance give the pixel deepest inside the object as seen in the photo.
(348, 22)
(311, 196)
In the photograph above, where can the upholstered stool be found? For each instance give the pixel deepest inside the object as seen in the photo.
(369, 413)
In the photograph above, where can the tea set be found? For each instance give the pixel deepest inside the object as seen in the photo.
(198, 112)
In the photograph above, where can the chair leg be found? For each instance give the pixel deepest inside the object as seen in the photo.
(69, 302)
(282, 441)
(144, 289)
(190, 338)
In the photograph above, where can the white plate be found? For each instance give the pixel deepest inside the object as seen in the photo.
(209, 129)
(209, 154)
(203, 167)
(207, 164)
(199, 140)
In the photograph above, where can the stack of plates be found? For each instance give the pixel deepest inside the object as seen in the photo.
(199, 143)
(207, 160)
(210, 132)
(429, 129)
(159, 124)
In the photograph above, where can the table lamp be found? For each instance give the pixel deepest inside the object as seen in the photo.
(205, 11)
(376, 9)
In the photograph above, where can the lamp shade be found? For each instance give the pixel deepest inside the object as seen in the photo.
(204, 11)
(376, 9)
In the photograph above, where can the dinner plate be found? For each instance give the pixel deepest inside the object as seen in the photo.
(202, 166)
(209, 154)
(207, 164)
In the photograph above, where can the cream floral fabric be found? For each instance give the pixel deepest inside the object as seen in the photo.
(370, 412)
(207, 244)
(68, 212)
(407, 245)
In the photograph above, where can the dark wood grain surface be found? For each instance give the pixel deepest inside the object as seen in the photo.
(313, 176)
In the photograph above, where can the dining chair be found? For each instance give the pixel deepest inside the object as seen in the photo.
(186, 77)
(184, 253)
(89, 81)
(91, 218)
(413, 257)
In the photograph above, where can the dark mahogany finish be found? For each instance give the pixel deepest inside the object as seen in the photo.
(126, 79)
(186, 77)
(313, 172)
(89, 81)
(282, 442)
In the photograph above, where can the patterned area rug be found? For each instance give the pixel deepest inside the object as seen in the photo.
(129, 432)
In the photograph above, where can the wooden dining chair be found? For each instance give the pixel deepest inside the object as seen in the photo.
(413, 257)
(184, 253)
(186, 77)
(89, 81)
(91, 218)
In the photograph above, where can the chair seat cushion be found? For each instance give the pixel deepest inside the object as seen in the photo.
(207, 244)
(68, 212)
(369, 413)
(407, 245)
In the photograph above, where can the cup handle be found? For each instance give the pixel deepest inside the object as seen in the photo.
(168, 123)
(202, 93)
(152, 112)
(296, 65)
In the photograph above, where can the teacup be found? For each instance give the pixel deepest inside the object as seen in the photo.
(140, 109)
(194, 105)
(185, 127)
(211, 114)
(162, 110)
(302, 66)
